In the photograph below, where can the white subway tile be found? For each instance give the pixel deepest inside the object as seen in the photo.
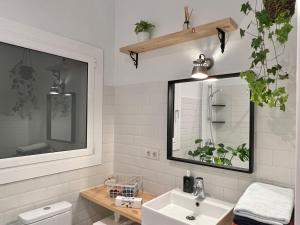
(284, 159)
(232, 195)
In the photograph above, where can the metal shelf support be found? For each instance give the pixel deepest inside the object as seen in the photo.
(135, 58)
(221, 36)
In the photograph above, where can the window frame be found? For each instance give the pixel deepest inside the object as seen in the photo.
(26, 167)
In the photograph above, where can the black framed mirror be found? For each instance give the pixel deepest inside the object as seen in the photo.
(211, 122)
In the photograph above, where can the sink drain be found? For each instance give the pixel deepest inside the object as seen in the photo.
(190, 218)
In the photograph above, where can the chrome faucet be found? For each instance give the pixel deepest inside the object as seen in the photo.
(199, 192)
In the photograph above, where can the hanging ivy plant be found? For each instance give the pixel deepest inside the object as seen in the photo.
(273, 25)
(23, 83)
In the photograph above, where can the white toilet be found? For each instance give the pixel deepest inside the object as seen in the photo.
(56, 214)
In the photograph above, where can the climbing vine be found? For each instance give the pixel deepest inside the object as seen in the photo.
(273, 25)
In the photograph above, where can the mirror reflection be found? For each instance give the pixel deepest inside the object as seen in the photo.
(212, 123)
(37, 104)
(60, 113)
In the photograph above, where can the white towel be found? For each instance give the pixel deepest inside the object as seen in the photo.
(266, 203)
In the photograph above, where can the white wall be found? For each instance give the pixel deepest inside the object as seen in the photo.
(141, 99)
(176, 62)
(190, 126)
(89, 21)
(141, 109)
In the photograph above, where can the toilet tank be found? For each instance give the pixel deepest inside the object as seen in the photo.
(56, 214)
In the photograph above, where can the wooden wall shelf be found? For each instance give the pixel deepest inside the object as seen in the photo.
(218, 27)
(99, 196)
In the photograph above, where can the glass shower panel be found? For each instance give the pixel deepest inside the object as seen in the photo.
(43, 102)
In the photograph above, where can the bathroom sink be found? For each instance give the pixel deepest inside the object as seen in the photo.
(178, 208)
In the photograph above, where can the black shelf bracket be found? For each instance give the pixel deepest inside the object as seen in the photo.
(221, 35)
(135, 58)
(218, 122)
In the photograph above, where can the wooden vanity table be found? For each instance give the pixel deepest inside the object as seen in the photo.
(99, 196)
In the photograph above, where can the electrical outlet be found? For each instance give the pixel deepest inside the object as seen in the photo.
(155, 154)
(147, 153)
(151, 154)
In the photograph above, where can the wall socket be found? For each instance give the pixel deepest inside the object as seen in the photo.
(151, 154)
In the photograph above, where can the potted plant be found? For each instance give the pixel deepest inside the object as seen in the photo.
(276, 7)
(272, 25)
(219, 155)
(143, 30)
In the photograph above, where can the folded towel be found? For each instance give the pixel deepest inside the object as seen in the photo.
(246, 221)
(239, 220)
(32, 149)
(266, 203)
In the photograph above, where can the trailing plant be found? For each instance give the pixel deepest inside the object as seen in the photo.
(60, 105)
(143, 26)
(220, 155)
(273, 26)
(23, 82)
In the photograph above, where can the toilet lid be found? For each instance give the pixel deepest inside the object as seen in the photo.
(44, 212)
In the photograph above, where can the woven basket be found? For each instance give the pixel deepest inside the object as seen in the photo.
(275, 7)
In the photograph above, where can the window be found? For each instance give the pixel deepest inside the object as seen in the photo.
(43, 102)
(48, 86)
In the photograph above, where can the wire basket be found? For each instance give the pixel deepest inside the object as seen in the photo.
(123, 185)
(276, 7)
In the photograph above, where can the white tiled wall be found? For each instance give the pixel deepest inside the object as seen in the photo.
(26, 195)
(141, 122)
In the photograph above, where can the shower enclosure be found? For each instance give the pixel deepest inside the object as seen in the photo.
(211, 102)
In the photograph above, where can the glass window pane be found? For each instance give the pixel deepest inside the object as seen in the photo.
(43, 102)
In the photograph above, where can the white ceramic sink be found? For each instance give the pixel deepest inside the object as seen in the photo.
(173, 208)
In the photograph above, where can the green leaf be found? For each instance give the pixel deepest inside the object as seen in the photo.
(256, 42)
(242, 32)
(282, 33)
(246, 8)
(229, 148)
(270, 35)
(282, 18)
(198, 141)
(226, 162)
(264, 19)
(209, 151)
(221, 151)
(221, 145)
(284, 76)
(217, 160)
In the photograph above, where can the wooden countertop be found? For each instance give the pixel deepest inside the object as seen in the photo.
(99, 196)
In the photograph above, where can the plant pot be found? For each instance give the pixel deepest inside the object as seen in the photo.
(143, 36)
(276, 7)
